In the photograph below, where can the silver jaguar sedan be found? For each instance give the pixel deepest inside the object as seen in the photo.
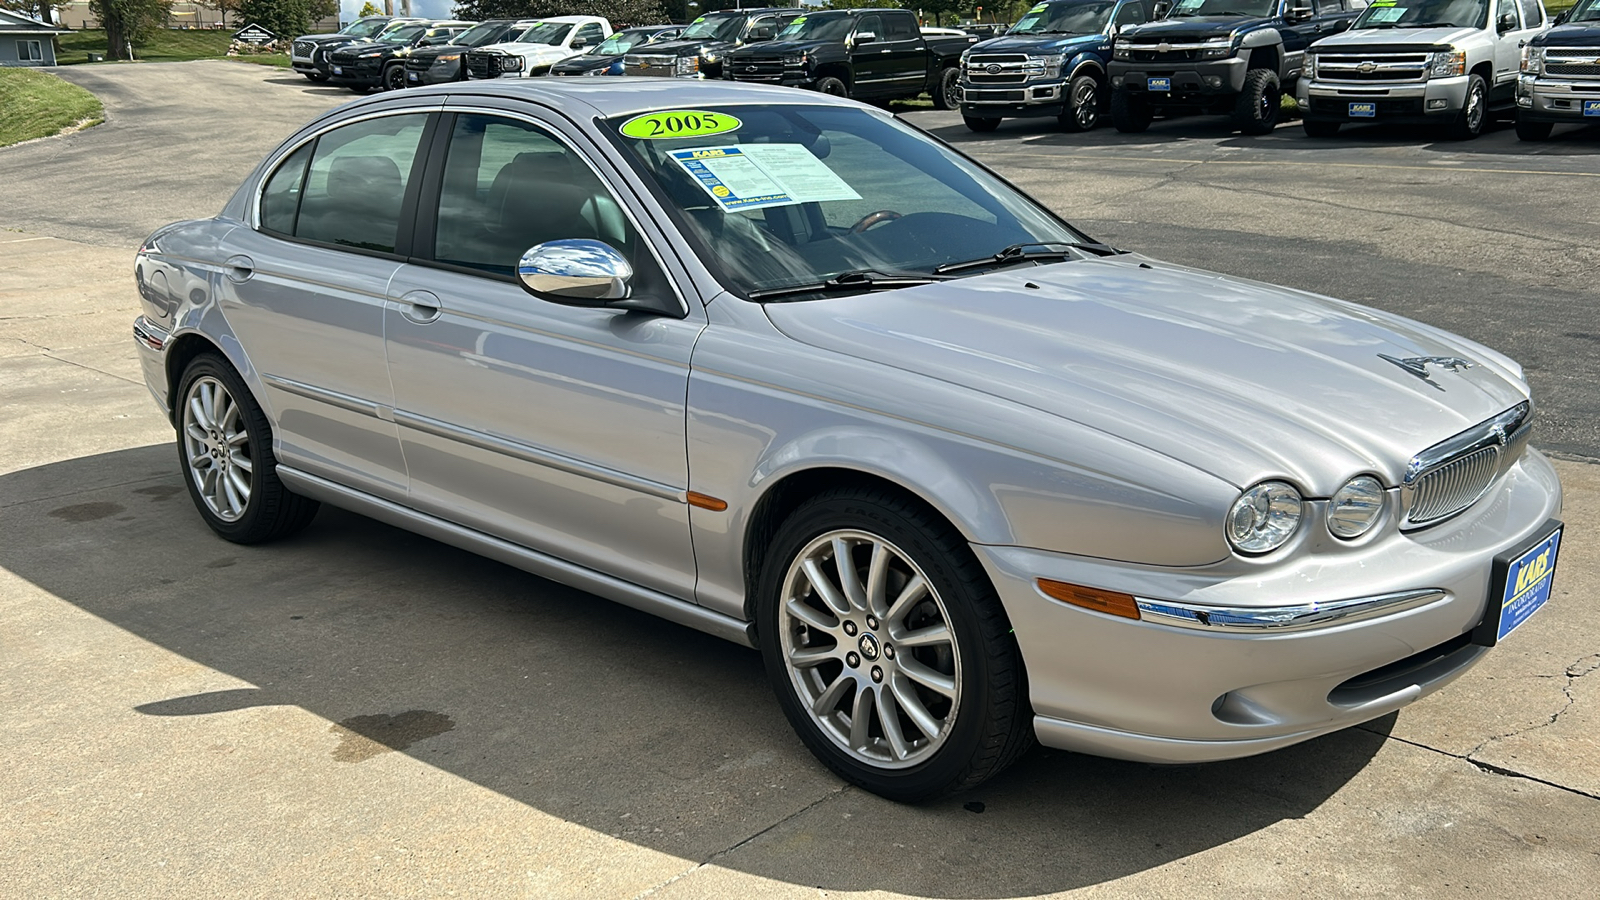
(780, 367)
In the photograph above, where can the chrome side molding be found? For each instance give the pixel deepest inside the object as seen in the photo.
(1298, 617)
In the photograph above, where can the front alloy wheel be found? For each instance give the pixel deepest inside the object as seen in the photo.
(217, 447)
(890, 653)
(394, 78)
(1083, 104)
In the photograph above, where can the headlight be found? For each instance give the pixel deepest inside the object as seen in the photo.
(798, 59)
(1309, 68)
(1532, 60)
(965, 55)
(689, 65)
(511, 64)
(446, 57)
(1447, 63)
(1264, 517)
(1122, 50)
(1355, 508)
(1217, 48)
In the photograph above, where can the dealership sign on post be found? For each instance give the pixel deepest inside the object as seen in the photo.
(254, 34)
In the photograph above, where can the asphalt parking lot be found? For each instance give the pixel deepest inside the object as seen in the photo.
(360, 711)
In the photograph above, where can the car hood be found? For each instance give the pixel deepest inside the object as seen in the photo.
(1582, 34)
(1398, 39)
(1236, 378)
(1189, 28)
(1040, 44)
(683, 48)
(585, 62)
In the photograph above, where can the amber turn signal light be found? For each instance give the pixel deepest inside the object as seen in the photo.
(1108, 602)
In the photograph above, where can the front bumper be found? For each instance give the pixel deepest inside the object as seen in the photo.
(434, 73)
(1155, 691)
(1193, 82)
(1557, 100)
(356, 72)
(315, 65)
(1430, 102)
(1024, 100)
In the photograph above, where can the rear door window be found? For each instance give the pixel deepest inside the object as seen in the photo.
(352, 192)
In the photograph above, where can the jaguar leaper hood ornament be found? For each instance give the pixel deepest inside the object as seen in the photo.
(1418, 365)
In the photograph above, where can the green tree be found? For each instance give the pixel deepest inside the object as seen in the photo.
(222, 7)
(369, 9)
(129, 22)
(285, 18)
(620, 13)
(43, 10)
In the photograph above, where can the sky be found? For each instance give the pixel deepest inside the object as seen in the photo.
(432, 9)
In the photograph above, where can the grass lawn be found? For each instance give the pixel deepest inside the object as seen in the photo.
(35, 104)
(165, 45)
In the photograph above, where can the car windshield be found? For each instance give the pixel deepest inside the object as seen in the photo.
(776, 197)
(1066, 18)
(364, 27)
(1424, 14)
(817, 28)
(388, 31)
(617, 44)
(1586, 11)
(714, 28)
(546, 33)
(478, 35)
(1253, 8)
(405, 35)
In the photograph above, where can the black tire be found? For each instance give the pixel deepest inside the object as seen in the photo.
(394, 77)
(1320, 129)
(1468, 123)
(1256, 111)
(315, 77)
(981, 126)
(832, 86)
(1083, 104)
(945, 92)
(272, 511)
(992, 722)
(1130, 114)
(1533, 131)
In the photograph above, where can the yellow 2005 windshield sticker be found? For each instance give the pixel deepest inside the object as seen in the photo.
(678, 123)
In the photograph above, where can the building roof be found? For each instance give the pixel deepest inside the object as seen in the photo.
(17, 23)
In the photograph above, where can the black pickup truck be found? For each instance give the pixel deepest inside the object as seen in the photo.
(876, 54)
(381, 62)
(699, 52)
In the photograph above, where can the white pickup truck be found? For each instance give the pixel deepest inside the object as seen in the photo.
(1451, 63)
(538, 48)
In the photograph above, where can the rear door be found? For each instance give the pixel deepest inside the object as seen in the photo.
(905, 54)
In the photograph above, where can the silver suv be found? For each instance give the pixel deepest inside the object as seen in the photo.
(1450, 63)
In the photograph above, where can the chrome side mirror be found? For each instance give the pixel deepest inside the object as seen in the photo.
(575, 269)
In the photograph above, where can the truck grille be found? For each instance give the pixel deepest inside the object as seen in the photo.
(657, 66)
(762, 68)
(1367, 68)
(1169, 57)
(302, 49)
(1578, 62)
(1450, 476)
(1000, 68)
(414, 64)
(485, 63)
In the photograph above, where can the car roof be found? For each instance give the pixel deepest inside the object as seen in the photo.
(581, 98)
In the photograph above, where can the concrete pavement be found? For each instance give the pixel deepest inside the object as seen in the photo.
(359, 711)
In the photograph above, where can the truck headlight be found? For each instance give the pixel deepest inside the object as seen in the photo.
(1447, 63)
(1264, 517)
(1309, 68)
(1122, 50)
(511, 64)
(1532, 60)
(688, 65)
(1217, 48)
(1355, 508)
(797, 60)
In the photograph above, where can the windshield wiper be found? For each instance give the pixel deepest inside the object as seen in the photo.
(862, 280)
(1037, 250)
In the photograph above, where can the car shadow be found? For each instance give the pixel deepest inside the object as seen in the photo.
(590, 711)
(306, 85)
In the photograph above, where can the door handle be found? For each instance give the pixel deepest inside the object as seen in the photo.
(420, 307)
(240, 268)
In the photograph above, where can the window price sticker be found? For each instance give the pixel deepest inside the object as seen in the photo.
(757, 175)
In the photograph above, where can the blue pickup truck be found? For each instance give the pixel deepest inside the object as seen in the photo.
(1053, 62)
(1560, 80)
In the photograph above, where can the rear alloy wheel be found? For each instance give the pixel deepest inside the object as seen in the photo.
(888, 648)
(982, 126)
(1083, 104)
(394, 78)
(948, 93)
(1533, 131)
(1129, 113)
(833, 87)
(1320, 129)
(225, 449)
(1468, 123)
(1256, 110)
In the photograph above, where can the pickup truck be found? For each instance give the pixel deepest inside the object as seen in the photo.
(1449, 63)
(698, 52)
(1053, 62)
(381, 62)
(306, 52)
(605, 58)
(1229, 57)
(1560, 79)
(537, 49)
(869, 54)
(442, 63)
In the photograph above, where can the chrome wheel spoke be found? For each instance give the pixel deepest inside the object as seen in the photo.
(807, 657)
(889, 721)
(878, 581)
(825, 588)
(924, 637)
(243, 462)
(829, 699)
(200, 460)
(849, 578)
(810, 616)
(230, 494)
(241, 484)
(928, 678)
(911, 705)
(194, 432)
(198, 411)
(861, 720)
(915, 590)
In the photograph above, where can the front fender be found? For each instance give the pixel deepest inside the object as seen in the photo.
(1086, 63)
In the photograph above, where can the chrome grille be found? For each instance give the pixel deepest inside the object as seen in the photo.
(1000, 68)
(1582, 63)
(1369, 67)
(755, 68)
(1454, 486)
(658, 66)
(302, 49)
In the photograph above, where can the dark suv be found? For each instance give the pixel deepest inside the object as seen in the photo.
(1222, 57)
(698, 52)
(306, 52)
(382, 62)
(442, 63)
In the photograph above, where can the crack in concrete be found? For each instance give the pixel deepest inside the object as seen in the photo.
(1487, 767)
(1583, 666)
(836, 792)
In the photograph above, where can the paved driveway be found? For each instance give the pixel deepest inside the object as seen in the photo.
(359, 711)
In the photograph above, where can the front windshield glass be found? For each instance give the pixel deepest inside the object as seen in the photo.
(405, 35)
(478, 35)
(817, 28)
(1425, 14)
(546, 33)
(1066, 18)
(616, 45)
(364, 27)
(780, 196)
(1254, 8)
(715, 28)
(1586, 11)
